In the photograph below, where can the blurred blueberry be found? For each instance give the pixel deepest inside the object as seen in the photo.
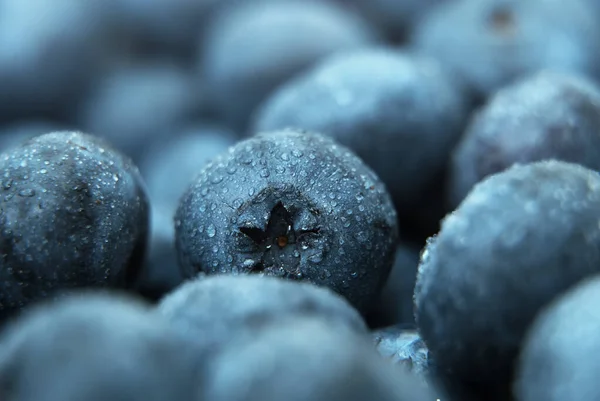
(254, 47)
(139, 103)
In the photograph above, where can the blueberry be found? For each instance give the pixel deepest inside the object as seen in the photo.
(252, 48)
(308, 360)
(403, 346)
(290, 204)
(50, 53)
(94, 347)
(558, 361)
(168, 167)
(400, 113)
(490, 43)
(139, 104)
(395, 303)
(73, 213)
(215, 310)
(518, 240)
(545, 116)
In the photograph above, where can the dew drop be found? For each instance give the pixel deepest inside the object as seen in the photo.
(248, 263)
(217, 178)
(7, 183)
(285, 157)
(27, 193)
(264, 173)
(297, 153)
(316, 258)
(211, 231)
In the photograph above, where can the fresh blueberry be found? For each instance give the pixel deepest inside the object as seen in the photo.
(519, 239)
(558, 361)
(73, 213)
(403, 346)
(94, 347)
(254, 47)
(139, 104)
(308, 360)
(290, 204)
(215, 310)
(490, 43)
(395, 303)
(545, 116)
(400, 113)
(168, 167)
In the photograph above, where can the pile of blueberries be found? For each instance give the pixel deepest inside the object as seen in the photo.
(299, 200)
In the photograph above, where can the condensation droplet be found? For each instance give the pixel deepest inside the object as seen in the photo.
(211, 231)
(27, 192)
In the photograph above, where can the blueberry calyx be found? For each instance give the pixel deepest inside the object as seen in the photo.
(279, 244)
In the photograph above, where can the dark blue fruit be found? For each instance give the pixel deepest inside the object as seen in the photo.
(395, 303)
(558, 361)
(168, 167)
(216, 310)
(545, 116)
(490, 43)
(518, 240)
(308, 360)
(73, 213)
(94, 347)
(294, 205)
(401, 114)
(252, 48)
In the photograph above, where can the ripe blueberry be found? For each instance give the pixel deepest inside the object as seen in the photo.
(294, 205)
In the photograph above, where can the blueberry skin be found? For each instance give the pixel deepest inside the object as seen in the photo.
(558, 360)
(308, 360)
(94, 347)
(73, 213)
(545, 116)
(252, 48)
(216, 309)
(294, 205)
(399, 113)
(490, 43)
(395, 303)
(519, 239)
